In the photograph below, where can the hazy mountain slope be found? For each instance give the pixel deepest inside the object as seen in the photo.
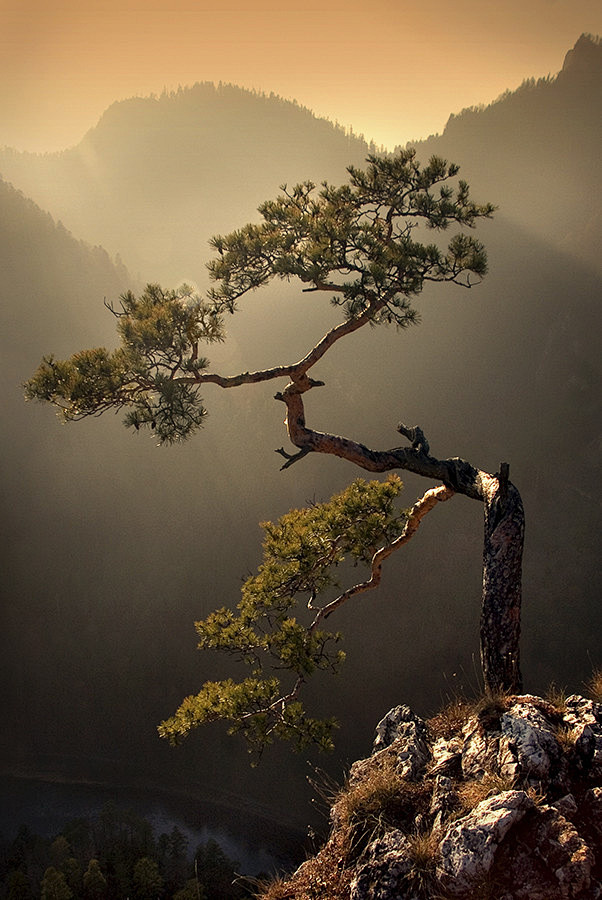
(110, 548)
(159, 175)
(536, 152)
(114, 548)
(49, 279)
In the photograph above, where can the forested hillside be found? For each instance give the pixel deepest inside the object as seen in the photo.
(536, 151)
(116, 854)
(114, 547)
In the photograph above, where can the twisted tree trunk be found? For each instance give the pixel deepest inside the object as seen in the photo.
(503, 523)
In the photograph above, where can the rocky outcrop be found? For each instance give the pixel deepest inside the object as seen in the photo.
(404, 735)
(499, 799)
(468, 847)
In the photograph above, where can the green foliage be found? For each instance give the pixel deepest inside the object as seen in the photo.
(54, 886)
(356, 241)
(152, 372)
(217, 872)
(114, 855)
(192, 890)
(94, 882)
(147, 879)
(18, 886)
(301, 555)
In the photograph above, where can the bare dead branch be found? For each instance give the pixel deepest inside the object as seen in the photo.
(291, 457)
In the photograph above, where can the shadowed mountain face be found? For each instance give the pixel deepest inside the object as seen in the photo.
(114, 547)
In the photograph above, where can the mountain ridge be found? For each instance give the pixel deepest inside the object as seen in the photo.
(181, 164)
(542, 165)
(157, 176)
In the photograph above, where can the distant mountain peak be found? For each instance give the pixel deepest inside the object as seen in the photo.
(585, 58)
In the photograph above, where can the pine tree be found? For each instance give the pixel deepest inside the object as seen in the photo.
(147, 880)
(216, 872)
(358, 244)
(54, 886)
(95, 884)
(18, 886)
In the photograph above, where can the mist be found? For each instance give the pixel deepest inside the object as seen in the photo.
(113, 547)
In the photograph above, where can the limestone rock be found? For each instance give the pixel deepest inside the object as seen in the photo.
(592, 815)
(405, 734)
(585, 718)
(548, 860)
(480, 749)
(535, 752)
(505, 803)
(469, 845)
(446, 757)
(391, 726)
(566, 806)
(386, 863)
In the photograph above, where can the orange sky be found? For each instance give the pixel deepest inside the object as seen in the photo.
(391, 69)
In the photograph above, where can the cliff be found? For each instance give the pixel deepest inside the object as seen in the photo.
(496, 799)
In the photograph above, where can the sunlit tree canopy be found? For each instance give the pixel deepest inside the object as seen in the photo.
(358, 243)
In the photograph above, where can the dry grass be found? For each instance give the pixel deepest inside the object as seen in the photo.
(471, 793)
(491, 707)
(423, 852)
(488, 708)
(557, 697)
(450, 719)
(273, 890)
(382, 799)
(537, 795)
(566, 737)
(594, 686)
(323, 877)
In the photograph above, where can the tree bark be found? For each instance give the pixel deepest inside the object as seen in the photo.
(503, 524)
(502, 584)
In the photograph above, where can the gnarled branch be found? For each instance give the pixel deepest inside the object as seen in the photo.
(415, 515)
